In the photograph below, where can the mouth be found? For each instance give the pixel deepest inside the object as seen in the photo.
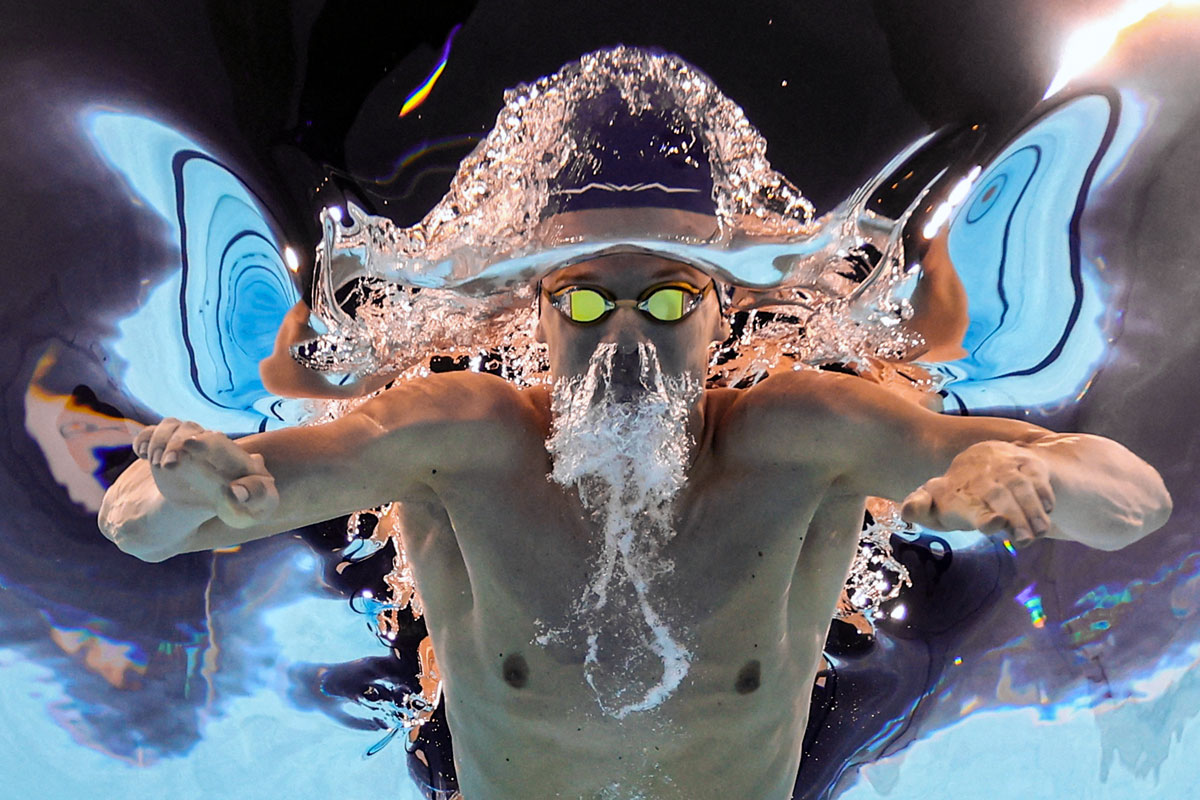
(627, 367)
(626, 379)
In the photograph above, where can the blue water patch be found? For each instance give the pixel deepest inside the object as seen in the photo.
(1037, 308)
(192, 349)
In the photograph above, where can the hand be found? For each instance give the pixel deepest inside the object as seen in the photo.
(195, 467)
(990, 487)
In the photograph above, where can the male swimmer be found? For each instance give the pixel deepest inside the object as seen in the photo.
(629, 578)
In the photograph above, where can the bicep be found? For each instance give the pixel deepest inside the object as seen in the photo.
(871, 441)
(384, 451)
(896, 445)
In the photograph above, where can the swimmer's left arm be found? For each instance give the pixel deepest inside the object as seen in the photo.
(993, 474)
(988, 473)
(1063, 486)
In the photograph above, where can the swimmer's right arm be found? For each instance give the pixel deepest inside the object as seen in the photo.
(193, 489)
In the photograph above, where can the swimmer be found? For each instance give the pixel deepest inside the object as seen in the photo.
(766, 523)
(629, 578)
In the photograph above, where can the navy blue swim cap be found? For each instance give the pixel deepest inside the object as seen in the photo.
(625, 160)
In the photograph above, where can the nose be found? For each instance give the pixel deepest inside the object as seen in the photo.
(626, 329)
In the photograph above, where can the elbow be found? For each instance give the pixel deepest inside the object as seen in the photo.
(149, 556)
(1137, 527)
(132, 541)
(1162, 511)
(129, 535)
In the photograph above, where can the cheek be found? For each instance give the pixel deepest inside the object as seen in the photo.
(567, 349)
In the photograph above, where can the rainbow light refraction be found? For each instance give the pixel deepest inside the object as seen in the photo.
(1033, 603)
(417, 97)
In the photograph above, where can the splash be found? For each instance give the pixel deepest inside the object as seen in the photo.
(620, 439)
(459, 283)
(876, 576)
(414, 708)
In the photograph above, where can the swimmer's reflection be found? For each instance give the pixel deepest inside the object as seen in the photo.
(669, 589)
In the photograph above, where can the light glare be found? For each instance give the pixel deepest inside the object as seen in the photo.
(1088, 45)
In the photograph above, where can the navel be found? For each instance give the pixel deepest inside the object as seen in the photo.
(750, 678)
(515, 671)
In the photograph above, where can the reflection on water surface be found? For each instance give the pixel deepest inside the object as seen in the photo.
(1054, 287)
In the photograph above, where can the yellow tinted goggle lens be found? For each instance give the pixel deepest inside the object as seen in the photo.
(586, 305)
(666, 304)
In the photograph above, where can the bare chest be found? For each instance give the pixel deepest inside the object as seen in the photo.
(546, 618)
(527, 561)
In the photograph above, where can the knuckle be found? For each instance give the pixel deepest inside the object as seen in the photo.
(994, 522)
(1016, 481)
(996, 493)
(208, 438)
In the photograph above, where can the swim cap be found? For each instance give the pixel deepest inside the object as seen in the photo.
(624, 159)
(623, 150)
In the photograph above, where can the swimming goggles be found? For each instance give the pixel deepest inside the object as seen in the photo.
(663, 302)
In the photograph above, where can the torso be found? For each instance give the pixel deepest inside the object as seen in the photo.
(760, 554)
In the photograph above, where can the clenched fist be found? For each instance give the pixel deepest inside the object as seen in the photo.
(990, 487)
(199, 468)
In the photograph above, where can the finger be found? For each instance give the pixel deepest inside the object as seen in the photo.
(939, 509)
(295, 327)
(1006, 514)
(248, 501)
(917, 507)
(223, 454)
(929, 501)
(1026, 495)
(1039, 476)
(174, 446)
(141, 442)
(159, 438)
(1045, 494)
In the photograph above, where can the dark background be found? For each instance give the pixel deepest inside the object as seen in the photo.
(301, 100)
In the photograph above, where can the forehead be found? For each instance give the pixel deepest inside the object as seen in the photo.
(625, 272)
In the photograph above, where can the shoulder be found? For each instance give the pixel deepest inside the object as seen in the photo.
(445, 398)
(810, 415)
(451, 422)
(804, 392)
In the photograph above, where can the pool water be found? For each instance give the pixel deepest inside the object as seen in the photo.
(167, 169)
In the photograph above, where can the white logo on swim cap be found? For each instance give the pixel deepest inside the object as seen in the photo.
(630, 187)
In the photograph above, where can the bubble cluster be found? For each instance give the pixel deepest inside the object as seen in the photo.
(460, 283)
(623, 445)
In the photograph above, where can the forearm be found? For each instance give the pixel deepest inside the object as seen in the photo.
(1105, 496)
(140, 521)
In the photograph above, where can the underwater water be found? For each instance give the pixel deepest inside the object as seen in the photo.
(167, 170)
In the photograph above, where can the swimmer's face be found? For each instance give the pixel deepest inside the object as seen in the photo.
(682, 346)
